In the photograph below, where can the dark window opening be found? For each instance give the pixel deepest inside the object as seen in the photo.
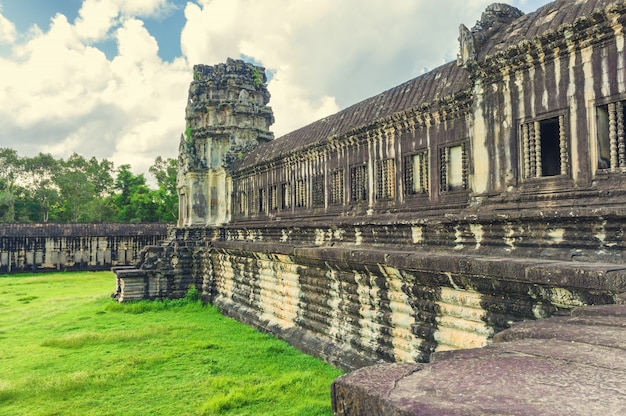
(250, 202)
(242, 202)
(262, 200)
(301, 194)
(416, 173)
(453, 168)
(545, 147)
(550, 147)
(213, 203)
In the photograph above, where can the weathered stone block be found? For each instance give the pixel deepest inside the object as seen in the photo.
(551, 367)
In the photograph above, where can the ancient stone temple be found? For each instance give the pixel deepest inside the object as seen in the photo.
(226, 111)
(427, 218)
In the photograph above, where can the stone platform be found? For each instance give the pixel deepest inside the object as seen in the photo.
(574, 365)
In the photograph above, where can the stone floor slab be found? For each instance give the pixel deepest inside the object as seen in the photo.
(560, 366)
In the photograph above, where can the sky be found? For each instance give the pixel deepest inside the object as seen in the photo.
(109, 78)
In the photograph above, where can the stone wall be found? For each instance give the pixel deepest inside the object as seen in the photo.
(427, 218)
(356, 304)
(50, 246)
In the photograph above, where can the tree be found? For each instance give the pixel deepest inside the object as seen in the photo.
(144, 207)
(41, 188)
(75, 188)
(166, 197)
(135, 201)
(7, 204)
(11, 169)
(100, 174)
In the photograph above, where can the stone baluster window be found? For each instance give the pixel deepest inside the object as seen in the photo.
(262, 200)
(385, 179)
(273, 198)
(336, 187)
(243, 200)
(251, 200)
(545, 148)
(318, 191)
(453, 168)
(416, 173)
(358, 183)
(286, 195)
(301, 194)
(611, 136)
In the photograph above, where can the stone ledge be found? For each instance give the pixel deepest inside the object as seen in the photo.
(366, 391)
(574, 274)
(566, 365)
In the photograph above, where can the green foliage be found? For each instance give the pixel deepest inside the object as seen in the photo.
(196, 75)
(256, 77)
(133, 199)
(42, 188)
(11, 169)
(75, 187)
(192, 295)
(72, 350)
(190, 301)
(138, 203)
(166, 197)
(7, 206)
(44, 192)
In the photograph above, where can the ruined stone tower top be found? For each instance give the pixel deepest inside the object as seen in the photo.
(229, 102)
(496, 13)
(227, 115)
(496, 17)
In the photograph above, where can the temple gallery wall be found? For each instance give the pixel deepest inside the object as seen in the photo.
(427, 218)
(50, 246)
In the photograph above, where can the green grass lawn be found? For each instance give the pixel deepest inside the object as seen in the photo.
(67, 348)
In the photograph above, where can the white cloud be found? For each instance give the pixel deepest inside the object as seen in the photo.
(325, 52)
(95, 18)
(53, 76)
(61, 94)
(7, 30)
(294, 106)
(136, 45)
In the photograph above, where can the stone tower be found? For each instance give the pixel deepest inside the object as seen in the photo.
(226, 115)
